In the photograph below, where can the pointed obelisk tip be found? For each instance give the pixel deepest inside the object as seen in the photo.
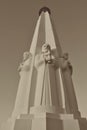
(44, 9)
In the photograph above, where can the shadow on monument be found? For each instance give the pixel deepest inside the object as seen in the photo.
(33, 88)
(82, 124)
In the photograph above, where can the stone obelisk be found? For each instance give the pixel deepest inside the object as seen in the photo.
(46, 98)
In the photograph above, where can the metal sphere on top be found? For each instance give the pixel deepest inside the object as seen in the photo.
(44, 9)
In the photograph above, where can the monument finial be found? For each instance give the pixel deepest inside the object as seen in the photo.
(44, 9)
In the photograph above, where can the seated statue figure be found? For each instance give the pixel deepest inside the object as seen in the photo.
(25, 65)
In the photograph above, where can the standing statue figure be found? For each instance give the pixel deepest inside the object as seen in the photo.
(70, 98)
(24, 70)
(46, 64)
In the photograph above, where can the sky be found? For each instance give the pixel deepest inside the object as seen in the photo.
(17, 23)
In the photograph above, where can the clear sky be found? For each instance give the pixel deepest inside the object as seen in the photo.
(17, 22)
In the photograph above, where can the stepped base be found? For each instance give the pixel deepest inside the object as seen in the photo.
(50, 121)
(46, 109)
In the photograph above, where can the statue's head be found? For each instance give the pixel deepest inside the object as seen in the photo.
(66, 56)
(26, 55)
(46, 47)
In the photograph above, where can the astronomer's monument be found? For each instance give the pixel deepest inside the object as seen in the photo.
(46, 97)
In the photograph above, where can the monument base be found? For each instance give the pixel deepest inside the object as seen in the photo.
(50, 121)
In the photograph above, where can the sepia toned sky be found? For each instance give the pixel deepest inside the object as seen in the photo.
(17, 22)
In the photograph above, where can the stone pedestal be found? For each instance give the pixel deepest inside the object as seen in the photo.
(50, 121)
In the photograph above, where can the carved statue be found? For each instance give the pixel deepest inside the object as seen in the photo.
(26, 55)
(48, 56)
(65, 63)
(26, 61)
(46, 50)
